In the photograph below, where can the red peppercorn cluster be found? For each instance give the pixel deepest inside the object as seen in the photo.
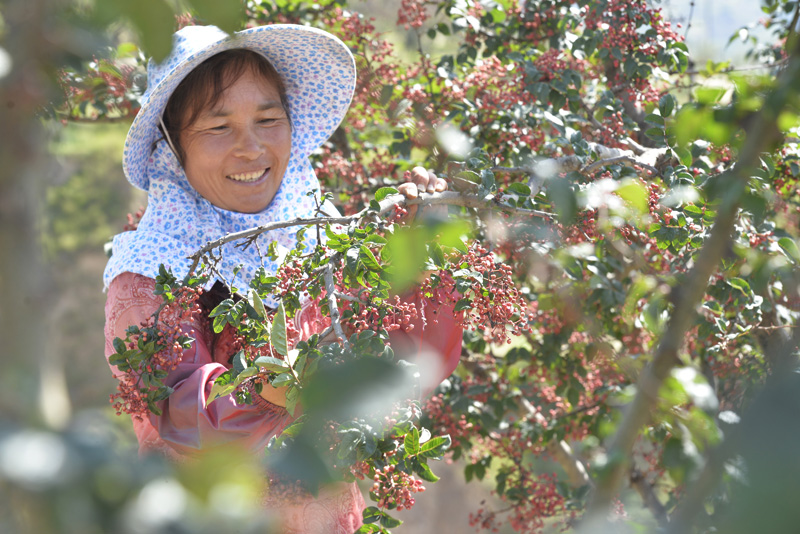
(620, 22)
(412, 13)
(133, 220)
(447, 422)
(541, 23)
(393, 488)
(542, 500)
(105, 84)
(497, 308)
(177, 319)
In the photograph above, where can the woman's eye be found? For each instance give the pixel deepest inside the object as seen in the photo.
(267, 121)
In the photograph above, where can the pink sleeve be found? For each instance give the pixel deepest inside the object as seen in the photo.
(434, 344)
(187, 425)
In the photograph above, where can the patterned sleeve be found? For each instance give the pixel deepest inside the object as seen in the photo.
(187, 425)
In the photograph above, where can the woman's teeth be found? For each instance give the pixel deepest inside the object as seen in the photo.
(247, 176)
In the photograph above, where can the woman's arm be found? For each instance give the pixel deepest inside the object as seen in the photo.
(433, 343)
(187, 424)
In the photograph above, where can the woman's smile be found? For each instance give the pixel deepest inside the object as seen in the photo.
(249, 177)
(237, 152)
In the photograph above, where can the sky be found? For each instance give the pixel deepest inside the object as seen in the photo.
(712, 24)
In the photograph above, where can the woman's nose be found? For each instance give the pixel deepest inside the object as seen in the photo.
(248, 144)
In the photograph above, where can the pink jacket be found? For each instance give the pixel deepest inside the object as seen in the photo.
(187, 425)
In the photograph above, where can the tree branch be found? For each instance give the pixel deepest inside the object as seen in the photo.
(689, 296)
(559, 450)
(705, 483)
(336, 323)
(628, 161)
(651, 501)
(386, 205)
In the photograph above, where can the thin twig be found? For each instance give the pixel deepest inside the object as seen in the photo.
(726, 70)
(386, 205)
(689, 21)
(651, 501)
(628, 161)
(330, 287)
(558, 449)
(351, 298)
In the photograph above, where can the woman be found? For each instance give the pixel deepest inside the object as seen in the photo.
(221, 144)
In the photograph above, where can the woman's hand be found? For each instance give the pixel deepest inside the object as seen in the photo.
(276, 396)
(422, 181)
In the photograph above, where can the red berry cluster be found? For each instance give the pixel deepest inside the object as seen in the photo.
(177, 319)
(542, 500)
(133, 220)
(447, 422)
(541, 23)
(390, 315)
(105, 85)
(619, 21)
(394, 488)
(497, 308)
(412, 13)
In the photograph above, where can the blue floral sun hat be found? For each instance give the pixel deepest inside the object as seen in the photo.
(317, 69)
(319, 74)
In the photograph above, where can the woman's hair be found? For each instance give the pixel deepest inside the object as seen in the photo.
(203, 88)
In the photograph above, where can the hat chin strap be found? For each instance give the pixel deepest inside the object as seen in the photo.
(167, 137)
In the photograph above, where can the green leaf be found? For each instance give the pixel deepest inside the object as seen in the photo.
(376, 239)
(389, 521)
(282, 379)
(371, 514)
(435, 447)
(684, 156)
(383, 192)
(239, 362)
(411, 442)
(271, 364)
(634, 193)
(520, 189)
(652, 118)
(741, 285)
(436, 254)
(563, 197)
(221, 308)
(223, 386)
(228, 16)
(278, 337)
(656, 134)
(425, 473)
(255, 301)
(368, 259)
(292, 396)
(119, 345)
(462, 304)
(666, 104)
(789, 247)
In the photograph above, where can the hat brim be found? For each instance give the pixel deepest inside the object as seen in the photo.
(317, 69)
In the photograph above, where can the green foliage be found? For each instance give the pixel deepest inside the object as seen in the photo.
(587, 188)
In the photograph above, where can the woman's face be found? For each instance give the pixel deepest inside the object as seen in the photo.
(236, 152)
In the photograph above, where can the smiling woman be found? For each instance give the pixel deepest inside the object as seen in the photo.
(232, 129)
(237, 152)
(221, 144)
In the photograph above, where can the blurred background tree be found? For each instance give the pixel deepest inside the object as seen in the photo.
(62, 194)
